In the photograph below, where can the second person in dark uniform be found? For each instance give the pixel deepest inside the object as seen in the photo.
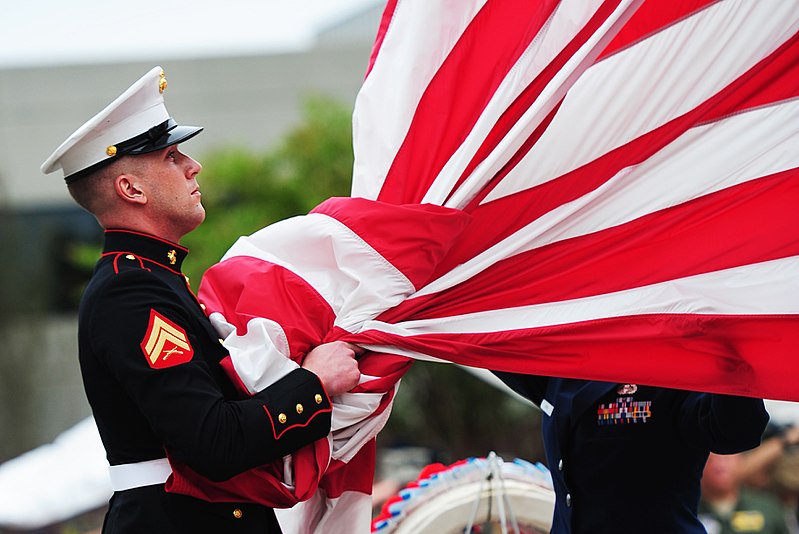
(627, 458)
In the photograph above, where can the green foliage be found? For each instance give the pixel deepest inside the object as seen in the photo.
(83, 255)
(244, 191)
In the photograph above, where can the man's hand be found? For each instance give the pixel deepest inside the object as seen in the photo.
(335, 365)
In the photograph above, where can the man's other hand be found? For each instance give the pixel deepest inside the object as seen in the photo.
(335, 365)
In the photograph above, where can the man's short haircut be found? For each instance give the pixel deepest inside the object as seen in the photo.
(94, 191)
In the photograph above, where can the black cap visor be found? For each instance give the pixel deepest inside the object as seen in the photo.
(164, 135)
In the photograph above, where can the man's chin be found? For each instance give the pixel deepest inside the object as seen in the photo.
(200, 218)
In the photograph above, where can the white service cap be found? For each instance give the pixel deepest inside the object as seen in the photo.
(137, 122)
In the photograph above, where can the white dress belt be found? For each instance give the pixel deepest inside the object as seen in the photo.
(129, 476)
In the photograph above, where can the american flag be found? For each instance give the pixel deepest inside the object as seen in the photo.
(594, 189)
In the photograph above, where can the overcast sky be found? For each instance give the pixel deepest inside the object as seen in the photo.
(51, 32)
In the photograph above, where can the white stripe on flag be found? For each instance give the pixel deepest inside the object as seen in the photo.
(763, 288)
(354, 279)
(414, 47)
(632, 93)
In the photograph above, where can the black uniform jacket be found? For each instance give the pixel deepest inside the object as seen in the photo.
(628, 458)
(149, 359)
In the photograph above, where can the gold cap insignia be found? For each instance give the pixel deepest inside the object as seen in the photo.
(111, 150)
(162, 82)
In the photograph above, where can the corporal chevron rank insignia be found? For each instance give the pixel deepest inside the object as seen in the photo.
(165, 344)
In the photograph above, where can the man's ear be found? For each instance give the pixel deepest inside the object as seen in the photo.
(128, 188)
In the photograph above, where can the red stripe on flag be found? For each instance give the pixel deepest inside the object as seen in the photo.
(421, 233)
(651, 18)
(262, 484)
(460, 90)
(773, 79)
(385, 22)
(694, 352)
(529, 95)
(355, 475)
(242, 288)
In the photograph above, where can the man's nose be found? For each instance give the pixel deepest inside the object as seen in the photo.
(193, 166)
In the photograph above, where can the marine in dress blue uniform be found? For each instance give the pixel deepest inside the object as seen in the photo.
(628, 458)
(150, 358)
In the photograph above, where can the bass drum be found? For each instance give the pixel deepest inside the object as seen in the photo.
(474, 495)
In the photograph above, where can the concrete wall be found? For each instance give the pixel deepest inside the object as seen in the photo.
(41, 393)
(246, 101)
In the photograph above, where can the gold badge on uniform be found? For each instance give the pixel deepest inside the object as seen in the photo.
(748, 521)
(173, 257)
(165, 344)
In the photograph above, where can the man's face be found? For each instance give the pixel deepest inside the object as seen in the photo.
(173, 195)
